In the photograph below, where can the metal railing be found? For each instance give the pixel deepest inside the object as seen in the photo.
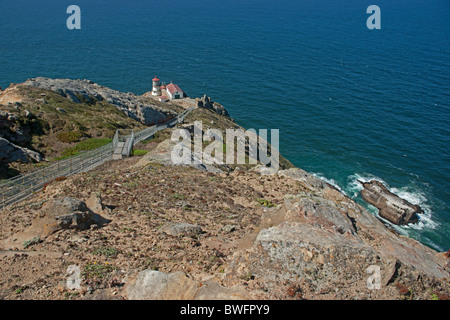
(17, 188)
(128, 145)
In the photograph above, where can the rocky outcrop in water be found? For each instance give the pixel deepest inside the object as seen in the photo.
(87, 91)
(390, 206)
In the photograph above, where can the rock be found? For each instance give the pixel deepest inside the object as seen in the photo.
(207, 103)
(62, 213)
(28, 114)
(10, 152)
(41, 100)
(55, 215)
(293, 250)
(95, 204)
(149, 115)
(391, 272)
(298, 174)
(229, 228)
(176, 229)
(264, 170)
(20, 137)
(390, 206)
(211, 290)
(156, 285)
(163, 154)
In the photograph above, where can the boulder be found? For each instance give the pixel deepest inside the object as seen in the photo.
(391, 207)
(95, 204)
(176, 229)
(29, 115)
(55, 215)
(211, 290)
(207, 103)
(306, 178)
(101, 212)
(62, 213)
(156, 285)
(10, 152)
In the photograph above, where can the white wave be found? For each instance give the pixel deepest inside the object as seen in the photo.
(354, 186)
(327, 180)
(417, 197)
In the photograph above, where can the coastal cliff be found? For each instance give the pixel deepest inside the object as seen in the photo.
(190, 231)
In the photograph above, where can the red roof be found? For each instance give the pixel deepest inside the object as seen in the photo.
(155, 79)
(173, 87)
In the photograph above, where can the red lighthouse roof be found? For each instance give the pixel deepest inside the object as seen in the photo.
(155, 79)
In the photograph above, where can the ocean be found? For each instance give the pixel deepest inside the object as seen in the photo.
(350, 103)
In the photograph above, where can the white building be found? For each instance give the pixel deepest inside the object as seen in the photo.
(174, 91)
(156, 90)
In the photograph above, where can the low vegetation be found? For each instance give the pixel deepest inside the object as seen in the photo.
(139, 152)
(85, 145)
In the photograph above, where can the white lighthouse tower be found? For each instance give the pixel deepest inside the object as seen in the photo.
(156, 90)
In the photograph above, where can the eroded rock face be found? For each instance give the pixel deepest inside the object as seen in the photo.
(390, 206)
(207, 103)
(87, 91)
(156, 285)
(325, 244)
(10, 152)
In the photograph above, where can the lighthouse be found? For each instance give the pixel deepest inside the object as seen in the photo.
(156, 90)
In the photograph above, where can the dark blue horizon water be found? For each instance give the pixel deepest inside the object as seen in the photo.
(350, 103)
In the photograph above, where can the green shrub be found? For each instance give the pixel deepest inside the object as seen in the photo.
(31, 242)
(139, 152)
(69, 136)
(97, 270)
(266, 203)
(85, 145)
(106, 251)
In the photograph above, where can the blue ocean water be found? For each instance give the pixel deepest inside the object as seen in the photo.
(351, 103)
